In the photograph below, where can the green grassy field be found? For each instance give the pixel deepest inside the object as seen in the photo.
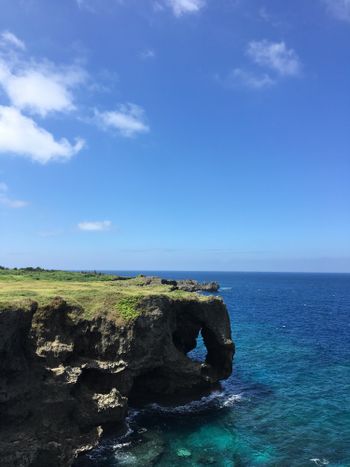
(95, 293)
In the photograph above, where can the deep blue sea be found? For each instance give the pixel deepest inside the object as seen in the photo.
(287, 402)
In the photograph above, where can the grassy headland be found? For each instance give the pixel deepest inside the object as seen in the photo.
(95, 293)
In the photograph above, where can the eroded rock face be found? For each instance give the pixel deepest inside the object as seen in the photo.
(64, 377)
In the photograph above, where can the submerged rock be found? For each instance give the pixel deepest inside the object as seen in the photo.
(183, 452)
(64, 377)
(149, 451)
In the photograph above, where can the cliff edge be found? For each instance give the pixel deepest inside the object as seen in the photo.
(68, 365)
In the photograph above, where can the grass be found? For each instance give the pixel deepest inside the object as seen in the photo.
(127, 308)
(96, 294)
(54, 275)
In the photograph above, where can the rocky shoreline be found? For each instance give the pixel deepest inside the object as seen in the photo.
(187, 285)
(65, 377)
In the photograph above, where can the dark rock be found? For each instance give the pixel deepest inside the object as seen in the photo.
(194, 286)
(64, 377)
(187, 285)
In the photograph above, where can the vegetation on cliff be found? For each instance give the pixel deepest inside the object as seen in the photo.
(94, 293)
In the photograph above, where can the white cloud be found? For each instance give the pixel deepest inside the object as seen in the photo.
(11, 39)
(20, 135)
(95, 226)
(276, 56)
(40, 88)
(128, 120)
(340, 9)
(9, 202)
(249, 79)
(34, 87)
(181, 7)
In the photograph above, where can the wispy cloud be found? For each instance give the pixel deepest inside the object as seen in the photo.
(85, 5)
(275, 59)
(92, 6)
(180, 7)
(147, 54)
(340, 9)
(127, 119)
(11, 39)
(50, 233)
(20, 135)
(276, 56)
(238, 76)
(264, 14)
(8, 202)
(95, 226)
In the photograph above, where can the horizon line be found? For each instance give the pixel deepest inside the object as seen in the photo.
(214, 270)
(177, 270)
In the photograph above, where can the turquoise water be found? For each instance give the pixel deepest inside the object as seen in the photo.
(288, 400)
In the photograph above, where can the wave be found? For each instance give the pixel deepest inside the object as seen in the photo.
(132, 414)
(214, 401)
(318, 461)
(121, 445)
(232, 400)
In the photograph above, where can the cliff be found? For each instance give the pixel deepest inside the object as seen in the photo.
(68, 366)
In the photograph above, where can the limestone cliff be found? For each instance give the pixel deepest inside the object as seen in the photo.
(65, 376)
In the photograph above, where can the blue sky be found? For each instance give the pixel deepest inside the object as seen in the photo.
(175, 134)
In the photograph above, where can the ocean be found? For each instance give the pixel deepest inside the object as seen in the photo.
(287, 402)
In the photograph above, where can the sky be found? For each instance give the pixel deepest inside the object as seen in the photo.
(175, 134)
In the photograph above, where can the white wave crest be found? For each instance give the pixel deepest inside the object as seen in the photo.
(230, 401)
(121, 445)
(318, 461)
(215, 400)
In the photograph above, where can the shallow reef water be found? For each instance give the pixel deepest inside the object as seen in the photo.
(288, 400)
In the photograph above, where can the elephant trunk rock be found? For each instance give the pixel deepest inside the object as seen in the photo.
(64, 377)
